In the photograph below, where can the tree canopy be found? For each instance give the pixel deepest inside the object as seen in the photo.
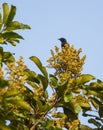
(72, 92)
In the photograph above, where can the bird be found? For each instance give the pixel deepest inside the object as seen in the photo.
(64, 42)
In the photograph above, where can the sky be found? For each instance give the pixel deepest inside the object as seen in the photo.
(79, 21)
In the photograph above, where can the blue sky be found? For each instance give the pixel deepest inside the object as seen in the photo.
(79, 21)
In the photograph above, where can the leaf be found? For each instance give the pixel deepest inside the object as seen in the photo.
(0, 21)
(90, 92)
(25, 26)
(21, 115)
(68, 97)
(83, 102)
(53, 81)
(11, 15)
(96, 86)
(39, 65)
(1, 54)
(32, 76)
(3, 83)
(94, 103)
(32, 84)
(5, 12)
(77, 108)
(8, 57)
(101, 110)
(19, 102)
(85, 105)
(84, 127)
(13, 43)
(1, 40)
(93, 121)
(43, 108)
(10, 35)
(11, 93)
(84, 78)
(76, 90)
(15, 25)
(61, 87)
(44, 81)
(60, 115)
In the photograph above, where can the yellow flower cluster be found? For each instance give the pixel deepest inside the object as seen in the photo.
(16, 74)
(59, 118)
(52, 99)
(62, 122)
(74, 125)
(67, 62)
(39, 92)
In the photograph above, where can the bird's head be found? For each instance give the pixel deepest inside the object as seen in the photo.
(63, 40)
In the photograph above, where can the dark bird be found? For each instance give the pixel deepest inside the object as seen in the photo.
(64, 42)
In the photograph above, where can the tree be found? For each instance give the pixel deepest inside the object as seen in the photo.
(25, 103)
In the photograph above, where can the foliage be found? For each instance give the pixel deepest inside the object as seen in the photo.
(31, 101)
(8, 26)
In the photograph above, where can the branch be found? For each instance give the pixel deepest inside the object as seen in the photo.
(42, 117)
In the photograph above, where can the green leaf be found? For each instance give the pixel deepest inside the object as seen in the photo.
(53, 81)
(96, 86)
(15, 25)
(76, 90)
(5, 12)
(101, 110)
(3, 83)
(11, 15)
(11, 93)
(68, 97)
(32, 76)
(2, 40)
(94, 103)
(19, 102)
(21, 115)
(83, 102)
(1, 54)
(93, 121)
(0, 21)
(13, 43)
(8, 57)
(43, 108)
(77, 108)
(60, 115)
(11, 35)
(39, 65)
(84, 127)
(44, 81)
(32, 84)
(25, 26)
(61, 88)
(84, 78)
(85, 105)
(90, 92)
